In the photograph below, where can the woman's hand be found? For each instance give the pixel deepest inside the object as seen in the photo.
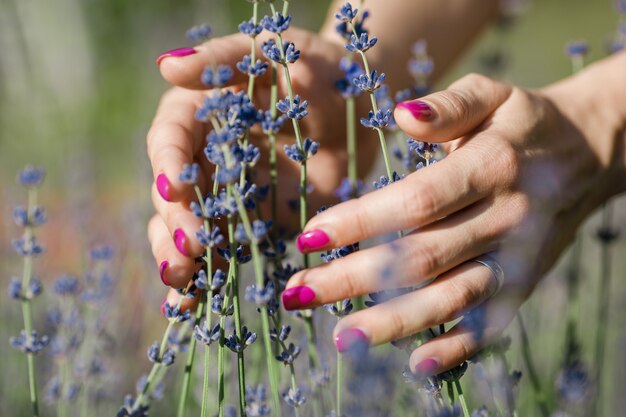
(524, 168)
(176, 138)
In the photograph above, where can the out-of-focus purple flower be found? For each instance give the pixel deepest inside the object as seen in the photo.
(199, 33)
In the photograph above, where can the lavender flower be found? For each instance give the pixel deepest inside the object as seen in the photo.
(260, 296)
(205, 335)
(31, 177)
(577, 49)
(209, 239)
(288, 355)
(361, 44)
(370, 82)
(378, 120)
(276, 23)
(295, 110)
(32, 344)
(250, 28)
(254, 70)
(189, 174)
(294, 397)
(173, 312)
(300, 154)
(216, 77)
(347, 13)
(199, 33)
(238, 344)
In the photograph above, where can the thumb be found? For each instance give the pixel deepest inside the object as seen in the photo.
(183, 67)
(452, 113)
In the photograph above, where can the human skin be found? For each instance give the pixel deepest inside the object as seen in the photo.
(176, 138)
(524, 168)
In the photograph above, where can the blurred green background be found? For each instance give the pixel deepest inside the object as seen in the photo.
(78, 89)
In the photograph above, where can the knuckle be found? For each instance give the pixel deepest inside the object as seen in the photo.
(361, 221)
(397, 323)
(349, 280)
(426, 262)
(463, 347)
(456, 298)
(458, 104)
(419, 202)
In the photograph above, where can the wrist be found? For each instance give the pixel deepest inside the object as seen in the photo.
(593, 101)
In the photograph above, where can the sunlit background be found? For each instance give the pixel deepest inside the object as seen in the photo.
(78, 88)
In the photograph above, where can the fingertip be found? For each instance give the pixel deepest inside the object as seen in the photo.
(426, 367)
(175, 53)
(418, 109)
(163, 186)
(312, 240)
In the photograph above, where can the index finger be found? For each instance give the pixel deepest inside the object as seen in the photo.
(185, 70)
(174, 139)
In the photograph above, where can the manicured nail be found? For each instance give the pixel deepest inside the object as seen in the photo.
(351, 339)
(162, 269)
(297, 297)
(163, 306)
(427, 367)
(176, 53)
(310, 241)
(180, 238)
(419, 109)
(163, 187)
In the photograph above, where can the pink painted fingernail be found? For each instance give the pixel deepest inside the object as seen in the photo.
(427, 367)
(419, 109)
(163, 187)
(297, 297)
(350, 339)
(162, 269)
(180, 52)
(163, 306)
(180, 238)
(312, 240)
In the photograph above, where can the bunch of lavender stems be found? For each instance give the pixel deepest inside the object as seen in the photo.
(308, 318)
(232, 286)
(29, 287)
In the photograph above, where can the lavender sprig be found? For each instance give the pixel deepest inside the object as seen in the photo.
(360, 42)
(28, 247)
(295, 110)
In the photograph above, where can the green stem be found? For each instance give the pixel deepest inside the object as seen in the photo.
(459, 390)
(351, 144)
(251, 78)
(221, 386)
(272, 156)
(143, 395)
(26, 306)
(237, 313)
(532, 371)
(381, 134)
(298, 133)
(260, 282)
(339, 383)
(450, 388)
(184, 392)
(603, 308)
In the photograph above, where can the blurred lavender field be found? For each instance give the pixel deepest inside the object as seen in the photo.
(78, 88)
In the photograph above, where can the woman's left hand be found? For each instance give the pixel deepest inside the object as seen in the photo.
(522, 172)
